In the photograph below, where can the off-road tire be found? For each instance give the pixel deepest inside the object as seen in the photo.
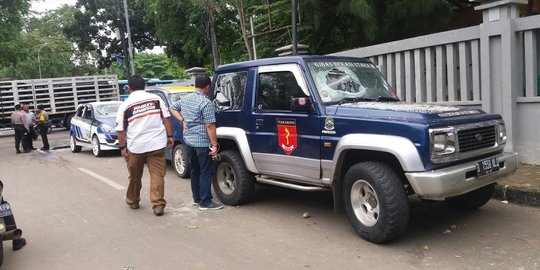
(180, 153)
(233, 183)
(472, 200)
(375, 201)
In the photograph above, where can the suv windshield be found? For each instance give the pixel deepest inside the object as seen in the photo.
(344, 82)
(106, 111)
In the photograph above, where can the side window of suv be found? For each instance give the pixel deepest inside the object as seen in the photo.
(230, 89)
(276, 89)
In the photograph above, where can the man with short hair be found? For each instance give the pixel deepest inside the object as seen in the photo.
(20, 126)
(43, 126)
(30, 120)
(144, 130)
(198, 115)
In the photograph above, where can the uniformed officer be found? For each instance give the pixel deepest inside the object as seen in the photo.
(20, 126)
(43, 126)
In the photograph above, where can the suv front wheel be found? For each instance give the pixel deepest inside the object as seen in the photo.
(375, 201)
(232, 182)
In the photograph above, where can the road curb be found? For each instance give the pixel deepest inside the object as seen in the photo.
(517, 194)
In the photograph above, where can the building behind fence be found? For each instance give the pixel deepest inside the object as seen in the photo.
(492, 66)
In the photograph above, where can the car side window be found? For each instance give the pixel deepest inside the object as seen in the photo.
(230, 89)
(79, 112)
(87, 113)
(276, 90)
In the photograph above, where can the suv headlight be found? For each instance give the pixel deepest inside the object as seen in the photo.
(443, 142)
(501, 132)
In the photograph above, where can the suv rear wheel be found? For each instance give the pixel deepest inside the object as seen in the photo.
(375, 201)
(233, 183)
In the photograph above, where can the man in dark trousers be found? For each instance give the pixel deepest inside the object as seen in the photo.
(30, 120)
(198, 115)
(20, 126)
(43, 126)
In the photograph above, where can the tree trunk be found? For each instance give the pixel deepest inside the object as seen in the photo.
(213, 39)
(241, 16)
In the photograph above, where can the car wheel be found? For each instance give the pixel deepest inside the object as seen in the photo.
(472, 200)
(96, 147)
(375, 201)
(233, 183)
(180, 161)
(73, 144)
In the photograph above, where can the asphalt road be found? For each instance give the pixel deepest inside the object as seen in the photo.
(72, 210)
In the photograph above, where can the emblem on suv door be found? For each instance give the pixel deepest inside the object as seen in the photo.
(287, 135)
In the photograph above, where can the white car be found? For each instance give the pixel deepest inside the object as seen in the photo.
(93, 126)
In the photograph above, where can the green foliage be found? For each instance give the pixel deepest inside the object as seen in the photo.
(154, 66)
(11, 20)
(95, 22)
(43, 40)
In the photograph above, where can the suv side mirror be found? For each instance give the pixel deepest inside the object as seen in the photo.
(300, 104)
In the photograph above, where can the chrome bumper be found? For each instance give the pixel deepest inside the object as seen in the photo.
(448, 182)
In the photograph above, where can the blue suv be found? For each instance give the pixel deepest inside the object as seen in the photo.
(333, 123)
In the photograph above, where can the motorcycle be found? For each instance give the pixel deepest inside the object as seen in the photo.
(8, 228)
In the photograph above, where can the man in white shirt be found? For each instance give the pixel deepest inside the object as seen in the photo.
(144, 130)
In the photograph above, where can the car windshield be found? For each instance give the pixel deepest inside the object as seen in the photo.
(106, 111)
(344, 82)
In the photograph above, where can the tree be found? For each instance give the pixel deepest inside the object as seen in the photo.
(11, 22)
(43, 36)
(155, 66)
(95, 23)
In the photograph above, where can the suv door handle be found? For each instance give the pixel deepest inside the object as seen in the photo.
(259, 122)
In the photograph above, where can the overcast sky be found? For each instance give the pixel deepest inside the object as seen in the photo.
(44, 5)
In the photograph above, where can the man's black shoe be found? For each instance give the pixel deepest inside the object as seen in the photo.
(44, 148)
(18, 243)
(33, 148)
(18, 151)
(26, 151)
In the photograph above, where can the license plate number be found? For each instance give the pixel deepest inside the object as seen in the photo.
(486, 167)
(5, 210)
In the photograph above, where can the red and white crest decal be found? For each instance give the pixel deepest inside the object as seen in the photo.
(287, 135)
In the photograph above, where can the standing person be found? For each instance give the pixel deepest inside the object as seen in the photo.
(43, 126)
(30, 120)
(198, 114)
(144, 129)
(20, 126)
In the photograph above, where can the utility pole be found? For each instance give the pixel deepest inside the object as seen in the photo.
(121, 37)
(293, 20)
(39, 59)
(132, 65)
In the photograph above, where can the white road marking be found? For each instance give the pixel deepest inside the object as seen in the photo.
(102, 178)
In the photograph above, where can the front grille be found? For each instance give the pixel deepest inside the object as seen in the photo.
(476, 138)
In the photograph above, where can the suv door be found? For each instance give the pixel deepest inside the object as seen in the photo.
(284, 143)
